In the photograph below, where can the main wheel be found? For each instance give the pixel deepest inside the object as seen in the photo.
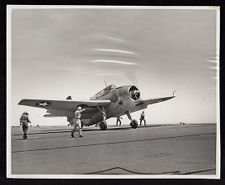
(134, 124)
(103, 126)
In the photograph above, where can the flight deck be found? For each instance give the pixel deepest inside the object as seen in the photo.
(152, 150)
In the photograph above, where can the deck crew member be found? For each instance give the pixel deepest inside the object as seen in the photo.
(24, 120)
(143, 118)
(77, 122)
(118, 120)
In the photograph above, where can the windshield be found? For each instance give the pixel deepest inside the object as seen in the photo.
(103, 92)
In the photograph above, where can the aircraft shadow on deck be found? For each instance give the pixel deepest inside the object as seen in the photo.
(70, 128)
(68, 131)
(86, 129)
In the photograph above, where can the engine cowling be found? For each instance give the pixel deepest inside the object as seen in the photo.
(134, 93)
(130, 92)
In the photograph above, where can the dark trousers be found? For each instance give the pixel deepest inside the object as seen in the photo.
(143, 119)
(118, 121)
(25, 128)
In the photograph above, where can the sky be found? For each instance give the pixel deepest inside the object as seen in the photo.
(61, 52)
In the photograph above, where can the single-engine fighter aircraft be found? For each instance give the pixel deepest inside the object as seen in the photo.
(113, 101)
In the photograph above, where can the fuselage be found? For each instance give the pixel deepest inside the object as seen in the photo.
(122, 99)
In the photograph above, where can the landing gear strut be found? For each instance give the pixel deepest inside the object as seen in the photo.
(134, 122)
(103, 124)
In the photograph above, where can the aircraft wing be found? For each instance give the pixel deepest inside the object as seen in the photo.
(63, 105)
(157, 100)
(153, 101)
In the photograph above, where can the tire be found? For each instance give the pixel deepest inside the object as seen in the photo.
(103, 126)
(134, 124)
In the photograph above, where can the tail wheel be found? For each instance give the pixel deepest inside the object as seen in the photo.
(103, 126)
(134, 124)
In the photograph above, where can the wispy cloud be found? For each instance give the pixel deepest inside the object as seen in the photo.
(214, 67)
(115, 51)
(114, 38)
(213, 61)
(114, 61)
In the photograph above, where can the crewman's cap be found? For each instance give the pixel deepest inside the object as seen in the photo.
(25, 113)
(79, 108)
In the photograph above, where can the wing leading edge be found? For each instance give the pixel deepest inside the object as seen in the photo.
(157, 100)
(145, 103)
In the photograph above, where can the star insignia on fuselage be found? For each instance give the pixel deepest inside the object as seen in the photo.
(43, 104)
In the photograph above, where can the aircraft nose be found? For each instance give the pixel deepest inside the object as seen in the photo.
(134, 93)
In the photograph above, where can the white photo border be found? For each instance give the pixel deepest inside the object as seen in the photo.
(58, 176)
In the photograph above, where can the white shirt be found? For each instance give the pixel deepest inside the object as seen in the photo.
(78, 114)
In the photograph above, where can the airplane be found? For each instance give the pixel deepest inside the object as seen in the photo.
(113, 101)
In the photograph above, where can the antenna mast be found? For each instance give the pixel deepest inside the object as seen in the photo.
(105, 84)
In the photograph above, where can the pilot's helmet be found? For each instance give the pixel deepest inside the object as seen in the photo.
(79, 108)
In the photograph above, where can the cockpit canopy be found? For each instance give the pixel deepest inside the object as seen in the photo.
(103, 92)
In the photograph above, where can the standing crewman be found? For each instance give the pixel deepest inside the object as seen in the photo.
(143, 118)
(77, 122)
(24, 120)
(118, 120)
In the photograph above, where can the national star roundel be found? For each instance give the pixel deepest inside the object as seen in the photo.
(43, 104)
